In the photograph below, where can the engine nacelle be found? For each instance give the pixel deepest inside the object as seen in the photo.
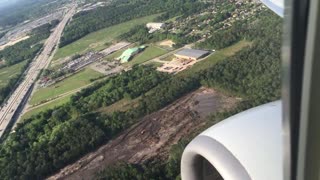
(242, 147)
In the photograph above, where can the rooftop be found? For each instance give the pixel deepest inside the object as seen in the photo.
(127, 54)
(193, 53)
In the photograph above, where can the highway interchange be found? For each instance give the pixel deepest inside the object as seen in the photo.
(41, 61)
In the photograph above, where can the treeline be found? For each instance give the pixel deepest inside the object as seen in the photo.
(255, 71)
(225, 37)
(27, 49)
(129, 85)
(12, 83)
(84, 23)
(141, 34)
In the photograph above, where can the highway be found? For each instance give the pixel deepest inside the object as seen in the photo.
(39, 63)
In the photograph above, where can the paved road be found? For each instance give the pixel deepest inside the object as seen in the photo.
(40, 62)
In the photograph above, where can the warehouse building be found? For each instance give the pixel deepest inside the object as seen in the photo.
(193, 54)
(129, 53)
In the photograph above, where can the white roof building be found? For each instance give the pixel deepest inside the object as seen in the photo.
(155, 26)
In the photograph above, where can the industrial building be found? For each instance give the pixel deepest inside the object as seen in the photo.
(193, 54)
(155, 26)
(129, 53)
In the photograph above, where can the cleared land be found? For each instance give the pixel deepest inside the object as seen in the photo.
(153, 135)
(7, 73)
(48, 106)
(168, 43)
(98, 39)
(11, 43)
(122, 105)
(71, 83)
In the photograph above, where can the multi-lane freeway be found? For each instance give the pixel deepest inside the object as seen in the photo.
(40, 62)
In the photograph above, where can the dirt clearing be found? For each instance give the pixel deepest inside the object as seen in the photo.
(168, 43)
(153, 135)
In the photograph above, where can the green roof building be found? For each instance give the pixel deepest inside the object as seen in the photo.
(129, 53)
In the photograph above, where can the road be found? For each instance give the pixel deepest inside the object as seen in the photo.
(40, 62)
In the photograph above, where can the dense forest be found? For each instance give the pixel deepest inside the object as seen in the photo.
(86, 22)
(52, 139)
(225, 37)
(255, 71)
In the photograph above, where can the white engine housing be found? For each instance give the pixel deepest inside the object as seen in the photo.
(245, 146)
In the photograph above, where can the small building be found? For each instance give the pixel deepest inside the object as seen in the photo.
(193, 54)
(129, 53)
(155, 26)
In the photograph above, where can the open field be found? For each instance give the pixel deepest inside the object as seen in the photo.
(216, 57)
(50, 105)
(7, 73)
(73, 82)
(122, 105)
(155, 64)
(98, 39)
(148, 54)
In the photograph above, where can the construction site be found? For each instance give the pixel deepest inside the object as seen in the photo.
(182, 60)
(152, 136)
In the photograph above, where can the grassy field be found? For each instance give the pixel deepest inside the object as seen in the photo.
(121, 105)
(216, 57)
(98, 39)
(148, 54)
(7, 73)
(155, 64)
(71, 83)
(47, 106)
(168, 58)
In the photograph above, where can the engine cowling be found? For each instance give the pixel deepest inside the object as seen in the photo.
(242, 147)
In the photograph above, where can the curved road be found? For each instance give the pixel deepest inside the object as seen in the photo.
(40, 62)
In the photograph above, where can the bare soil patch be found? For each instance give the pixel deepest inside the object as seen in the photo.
(153, 135)
(168, 43)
